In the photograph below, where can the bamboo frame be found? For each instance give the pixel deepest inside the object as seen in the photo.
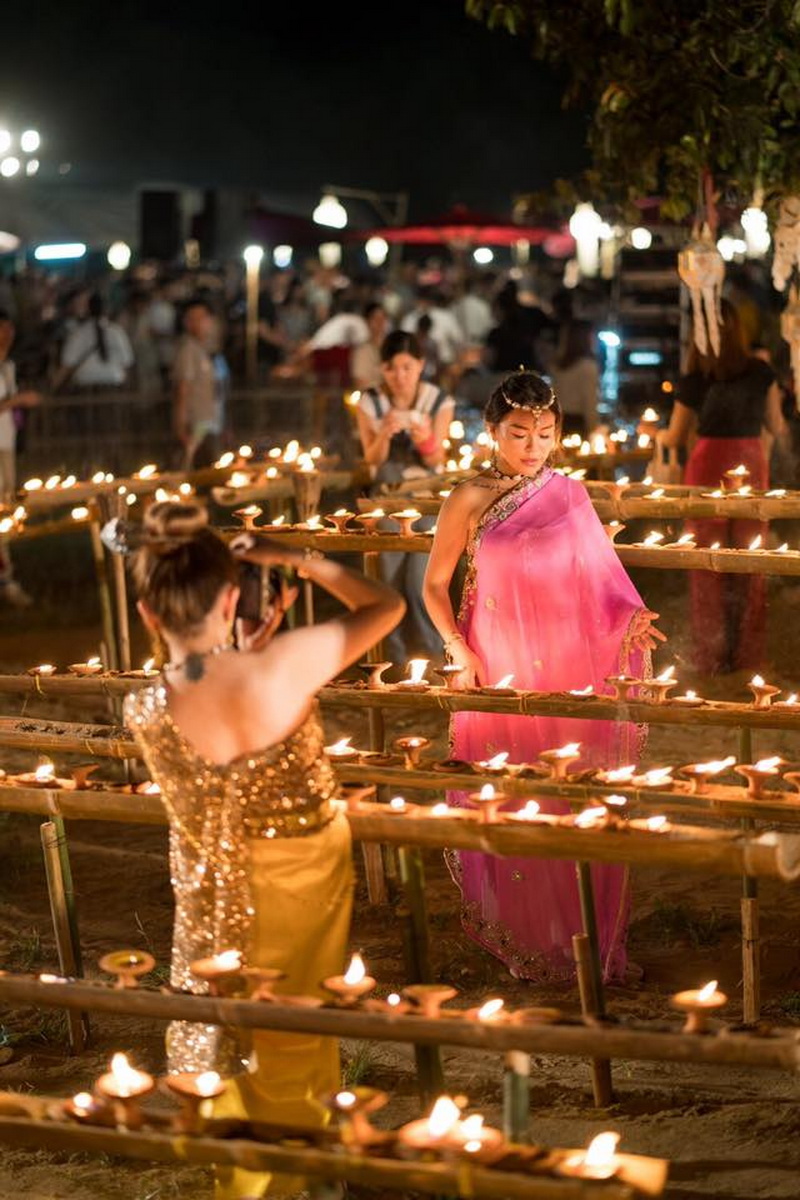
(642, 1042)
(638, 1175)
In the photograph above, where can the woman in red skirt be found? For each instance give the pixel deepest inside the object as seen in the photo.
(722, 405)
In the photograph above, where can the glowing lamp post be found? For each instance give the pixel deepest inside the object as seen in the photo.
(585, 225)
(252, 257)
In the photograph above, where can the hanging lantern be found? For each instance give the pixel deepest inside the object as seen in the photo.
(702, 268)
(790, 331)
(787, 242)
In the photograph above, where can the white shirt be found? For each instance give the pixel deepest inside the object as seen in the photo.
(8, 387)
(343, 329)
(474, 316)
(445, 332)
(81, 348)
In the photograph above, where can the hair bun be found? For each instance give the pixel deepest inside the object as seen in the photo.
(173, 523)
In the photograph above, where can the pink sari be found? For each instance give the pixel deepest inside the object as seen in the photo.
(546, 599)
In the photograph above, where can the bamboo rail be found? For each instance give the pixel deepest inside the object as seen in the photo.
(640, 1041)
(637, 1175)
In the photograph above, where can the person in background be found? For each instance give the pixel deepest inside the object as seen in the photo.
(365, 359)
(722, 405)
(473, 311)
(403, 426)
(445, 329)
(260, 856)
(432, 367)
(576, 377)
(10, 399)
(198, 413)
(97, 353)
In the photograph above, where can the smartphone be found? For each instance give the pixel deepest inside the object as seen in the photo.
(258, 590)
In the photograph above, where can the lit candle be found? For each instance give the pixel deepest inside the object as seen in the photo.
(412, 748)
(762, 692)
(86, 1109)
(529, 812)
(339, 519)
(44, 669)
(127, 965)
(416, 676)
(560, 760)
(342, 751)
(33, 485)
(756, 543)
(397, 804)
(245, 451)
(502, 685)
(758, 773)
(598, 1161)
(652, 540)
(354, 984)
(80, 513)
(733, 479)
(125, 1086)
(431, 1132)
(689, 698)
(492, 1010)
(225, 460)
(613, 529)
(405, 520)
(496, 764)
(147, 471)
(662, 684)
(658, 777)
(92, 666)
(352, 1105)
(698, 1004)
(489, 801)
(249, 515)
(623, 685)
(582, 692)
(617, 774)
(220, 971)
(193, 1089)
(701, 773)
(591, 818)
(371, 520)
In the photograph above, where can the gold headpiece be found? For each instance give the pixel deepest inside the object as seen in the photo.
(540, 407)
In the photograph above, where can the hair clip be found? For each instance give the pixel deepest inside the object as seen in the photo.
(116, 536)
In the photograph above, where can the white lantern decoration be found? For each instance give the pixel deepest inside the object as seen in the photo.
(790, 331)
(756, 233)
(787, 242)
(584, 225)
(702, 269)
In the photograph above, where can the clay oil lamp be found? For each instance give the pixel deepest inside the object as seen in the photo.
(124, 1086)
(416, 681)
(560, 760)
(342, 751)
(598, 1161)
(689, 699)
(44, 777)
(428, 998)
(352, 1107)
(653, 540)
(656, 777)
(495, 765)
(148, 471)
(501, 688)
(735, 478)
(43, 671)
(375, 673)
(617, 488)
(148, 670)
(193, 1089)
(489, 802)
(617, 775)
(339, 519)
(622, 685)
(656, 824)
(614, 529)
(220, 971)
(662, 685)
(762, 692)
(86, 1109)
(491, 1013)
(530, 811)
(80, 773)
(582, 693)
(92, 666)
(649, 422)
(411, 748)
(450, 673)
(127, 965)
(148, 788)
(478, 1141)
(436, 1132)
(248, 516)
(596, 817)
(397, 806)
(701, 773)
(262, 981)
(370, 521)
(791, 701)
(405, 520)
(758, 773)
(698, 1004)
(355, 983)
(756, 543)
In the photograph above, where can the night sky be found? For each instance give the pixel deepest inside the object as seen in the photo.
(410, 96)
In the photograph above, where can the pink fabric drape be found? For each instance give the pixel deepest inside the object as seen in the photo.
(546, 599)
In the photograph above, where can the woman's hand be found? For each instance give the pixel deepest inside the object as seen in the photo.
(421, 429)
(392, 423)
(644, 635)
(471, 666)
(266, 551)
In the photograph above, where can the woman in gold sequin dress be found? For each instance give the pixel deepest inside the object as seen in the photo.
(260, 862)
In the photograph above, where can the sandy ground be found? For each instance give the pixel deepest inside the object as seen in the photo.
(729, 1133)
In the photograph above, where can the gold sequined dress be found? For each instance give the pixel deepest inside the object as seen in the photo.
(260, 861)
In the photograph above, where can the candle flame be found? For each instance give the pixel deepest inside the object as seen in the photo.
(94, 661)
(346, 1099)
(649, 415)
(207, 1083)
(490, 1009)
(356, 972)
(340, 747)
(341, 512)
(568, 751)
(776, 492)
(757, 681)
(705, 993)
(228, 960)
(316, 452)
(601, 1150)
(82, 1101)
(783, 548)
(393, 998)
(69, 482)
(398, 803)
(80, 513)
(623, 481)
(272, 472)
(225, 459)
(620, 775)
(471, 1128)
(643, 441)
(292, 450)
(744, 491)
(498, 761)
(715, 765)
(656, 494)
(755, 544)
(444, 1117)
(416, 670)
(487, 792)
(714, 546)
(768, 764)
(589, 817)
(791, 698)
(740, 470)
(376, 512)
(314, 521)
(408, 512)
(46, 669)
(45, 772)
(686, 539)
(656, 823)
(148, 665)
(658, 776)
(151, 788)
(32, 485)
(279, 520)
(127, 1080)
(587, 691)
(245, 451)
(653, 539)
(666, 676)
(147, 471)
(238, 479)
(529, 812)
(616, 801)
(440, 810)
(505, 682)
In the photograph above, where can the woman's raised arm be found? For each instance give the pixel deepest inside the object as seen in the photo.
(449, 543)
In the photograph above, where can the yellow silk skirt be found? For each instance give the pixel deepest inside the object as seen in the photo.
(302, 890)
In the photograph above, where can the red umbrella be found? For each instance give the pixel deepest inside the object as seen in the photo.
(462, 225)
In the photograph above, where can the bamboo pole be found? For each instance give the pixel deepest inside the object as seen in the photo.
(637, 1176)
(751, 965)
(516, 1096)
(51, 834)
(602, 1088)
(373, 856)
(639, 1041)
(110, 655)
(414, 914)
(123, 627)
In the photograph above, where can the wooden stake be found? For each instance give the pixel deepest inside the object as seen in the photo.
(517, 1096)
(414, 915)
(377, 889)
(110, 655)
(68, 951)
(123, 629)
(751, 964)
(601, 1067)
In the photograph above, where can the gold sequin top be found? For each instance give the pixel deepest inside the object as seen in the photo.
(214, 811)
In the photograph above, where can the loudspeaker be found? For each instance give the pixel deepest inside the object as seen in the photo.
(160, 234)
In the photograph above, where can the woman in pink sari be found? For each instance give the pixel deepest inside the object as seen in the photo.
(547, 600)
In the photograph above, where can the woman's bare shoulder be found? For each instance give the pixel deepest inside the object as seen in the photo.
(472, 493)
